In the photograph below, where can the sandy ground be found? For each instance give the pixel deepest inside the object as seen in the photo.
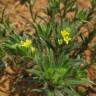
(16, 11)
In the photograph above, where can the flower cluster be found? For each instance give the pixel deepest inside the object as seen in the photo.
(27, 44)
(66, 36)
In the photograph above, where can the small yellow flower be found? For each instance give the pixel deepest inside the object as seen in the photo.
(66, 35)
(27, 43)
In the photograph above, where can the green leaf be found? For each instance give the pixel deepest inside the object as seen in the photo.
(49, 93)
